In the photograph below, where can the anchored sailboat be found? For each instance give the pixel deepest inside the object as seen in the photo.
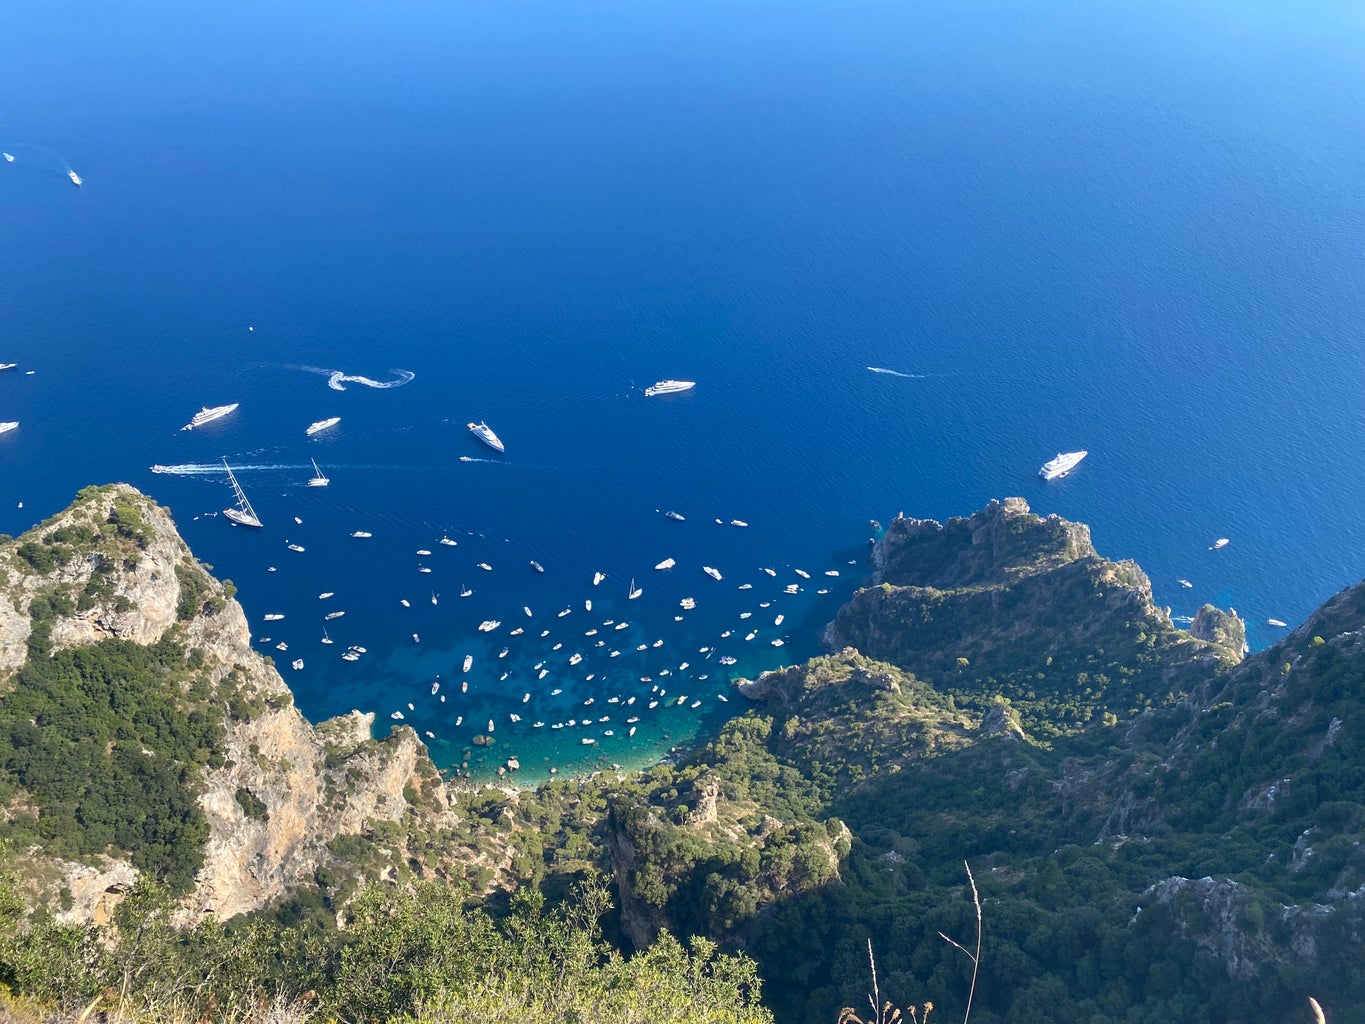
(318, 479)
(243, 514)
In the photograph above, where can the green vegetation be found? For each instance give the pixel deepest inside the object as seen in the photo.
(105, 745)
(426, 954)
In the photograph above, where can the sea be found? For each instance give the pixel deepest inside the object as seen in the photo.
(908, 251)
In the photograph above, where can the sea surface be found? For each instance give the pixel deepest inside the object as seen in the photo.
(1134, 228)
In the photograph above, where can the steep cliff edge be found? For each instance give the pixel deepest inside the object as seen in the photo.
(82, 596)
(1008, 603)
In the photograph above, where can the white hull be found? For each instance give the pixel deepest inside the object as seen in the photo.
(207, 415)
(669, 387)
(1061, 465)
(485, 434)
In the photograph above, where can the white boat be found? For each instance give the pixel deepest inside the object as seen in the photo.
(295, 547)
(317, 479)
(667, 563)
(321, 425)
(713, 573)
(597, 578)
(465, 591)
(362, 534)
(1063, 464)
(272, 616)
(9, 158)
(488, 625)
(738, 522)
(8, 366)
(333, 615)
(537, 566)
(434, 596)
(243, 514)
(1221, 542)
(298, 664)
(485, 434)
(447, 542)
(5, 428)
(208, 415)
(676, 515)
(75, 178)
(485, 567)
(1278, 623)
(325, 638)
(423, 551)
(688, 602)
(669, 387)
(1185, 583)
(634, 591)
(468, 662)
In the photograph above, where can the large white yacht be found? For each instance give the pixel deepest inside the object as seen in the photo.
(485, 434)
(669, 387)
(1063, 464)
(8, 426)
(208, 415)
(321, 425)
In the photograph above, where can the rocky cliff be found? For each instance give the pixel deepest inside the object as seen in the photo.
(275, 790)
(1009, 603)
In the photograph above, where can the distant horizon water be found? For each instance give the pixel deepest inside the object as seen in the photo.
(908, 253)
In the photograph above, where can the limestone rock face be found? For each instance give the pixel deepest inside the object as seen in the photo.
(115, 565)
(1219, 627)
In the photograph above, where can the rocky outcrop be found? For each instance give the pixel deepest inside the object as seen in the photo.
(1009, 603)
(113, 566)
(1219, 627)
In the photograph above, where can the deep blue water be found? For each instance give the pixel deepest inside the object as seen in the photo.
(1131, 227)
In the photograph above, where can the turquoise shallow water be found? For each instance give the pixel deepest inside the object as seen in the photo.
(1130, 228)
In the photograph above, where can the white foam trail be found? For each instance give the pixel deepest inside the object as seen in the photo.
(211, 468)
(338, 379)
(897, 373)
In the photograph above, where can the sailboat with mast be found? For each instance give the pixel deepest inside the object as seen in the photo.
(318, 479)
(243, 514)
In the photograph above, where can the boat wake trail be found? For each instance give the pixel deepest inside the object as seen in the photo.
(897, 373)
(338, 379)
(213, 468)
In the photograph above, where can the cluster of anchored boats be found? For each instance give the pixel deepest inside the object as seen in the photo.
(620, 668)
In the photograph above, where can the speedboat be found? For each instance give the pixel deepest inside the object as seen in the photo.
(485, 434)
(537, 566)
(674, 515)
(75, 178)
(362, 534)
(6, 427)
(667, 563)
